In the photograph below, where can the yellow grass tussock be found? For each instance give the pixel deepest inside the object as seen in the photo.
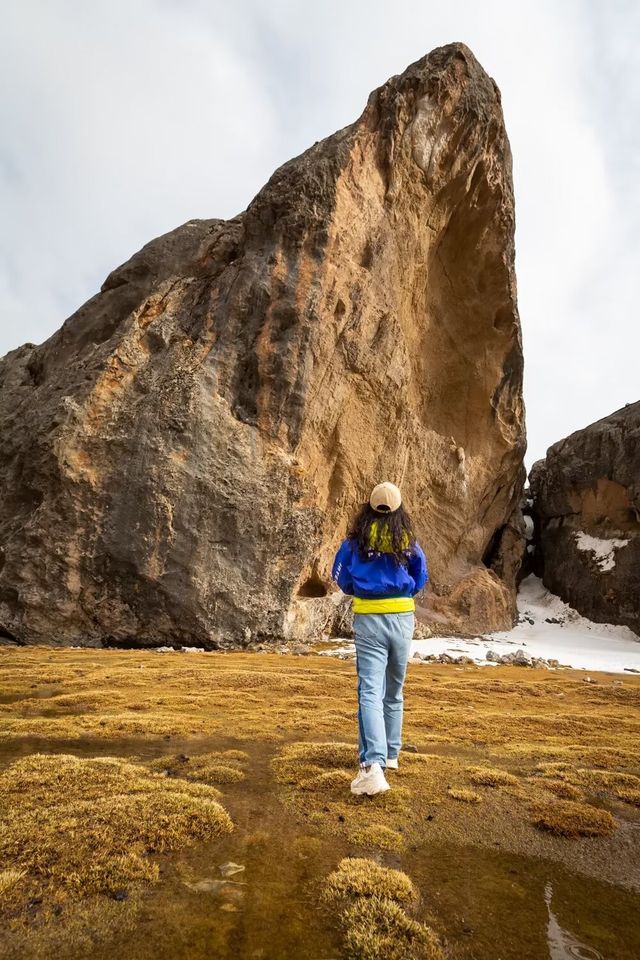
(75, 828)
(570, 819)
(372, 902)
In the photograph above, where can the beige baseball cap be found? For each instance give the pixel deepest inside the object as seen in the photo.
(385, 497)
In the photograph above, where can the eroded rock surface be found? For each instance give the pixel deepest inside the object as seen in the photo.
(586, 507)
(180, 460)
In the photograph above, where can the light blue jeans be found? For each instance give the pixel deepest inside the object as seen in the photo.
(383, 642)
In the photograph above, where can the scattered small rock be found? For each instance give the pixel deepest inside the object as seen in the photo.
(521, 659)
(540, 663)
(410, 748)
(493, 657)
(301, 649)
(229, 869)
(206, 885)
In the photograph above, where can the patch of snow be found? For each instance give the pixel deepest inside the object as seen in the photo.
(604, 551)
(528, 528)
(179, 649)
(551, 629)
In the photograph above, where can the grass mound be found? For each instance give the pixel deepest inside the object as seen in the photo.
(622, 786)
(566, 818)
(628, 795)
(378, 929)
(371, 902)
(359, 877)
(330, 780)
(316, 766)
(563, 789)
(335, 755)
(377, 835)
(492, 777)
(72, 828)
(462, 793)
(222, 767)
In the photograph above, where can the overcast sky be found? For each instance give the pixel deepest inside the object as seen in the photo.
(121, 119)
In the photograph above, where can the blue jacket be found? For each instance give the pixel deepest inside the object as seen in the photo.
(378, 575)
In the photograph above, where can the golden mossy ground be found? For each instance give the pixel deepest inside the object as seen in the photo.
(74, 829)
(83, 834)
(543, 763)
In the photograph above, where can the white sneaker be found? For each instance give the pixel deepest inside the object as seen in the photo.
(392, 764)
(370, 781)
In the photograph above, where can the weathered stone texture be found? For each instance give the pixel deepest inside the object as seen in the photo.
(586, 509)
(179, 461)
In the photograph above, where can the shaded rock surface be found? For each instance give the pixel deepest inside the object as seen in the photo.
(586, 510)
(180, 460)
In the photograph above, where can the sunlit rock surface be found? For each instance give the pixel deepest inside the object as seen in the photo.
(180, 460)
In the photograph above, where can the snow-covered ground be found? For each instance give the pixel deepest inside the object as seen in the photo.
(572, 640)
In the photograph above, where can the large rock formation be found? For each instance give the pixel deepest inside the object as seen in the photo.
(180, 460)
(586, 510)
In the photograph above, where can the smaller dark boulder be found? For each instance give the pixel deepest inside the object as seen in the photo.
(586, 512)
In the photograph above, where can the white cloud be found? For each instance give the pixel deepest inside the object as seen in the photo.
(121, 120)
(117, 124)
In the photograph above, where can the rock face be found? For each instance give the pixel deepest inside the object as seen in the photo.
(586, 508)
(181, 459)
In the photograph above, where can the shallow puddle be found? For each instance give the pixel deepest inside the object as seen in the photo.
(268, 911)
(494, 906)
(487, 905)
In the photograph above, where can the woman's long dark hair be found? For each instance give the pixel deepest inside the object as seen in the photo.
(397, 524)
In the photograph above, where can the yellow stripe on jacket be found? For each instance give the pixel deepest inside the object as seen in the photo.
(382, 605)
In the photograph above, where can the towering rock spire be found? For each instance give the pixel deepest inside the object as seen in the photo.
(180, 460)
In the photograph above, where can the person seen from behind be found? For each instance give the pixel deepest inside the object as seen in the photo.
(382, 567)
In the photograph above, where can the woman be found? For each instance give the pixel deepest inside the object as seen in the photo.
(381, 565)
